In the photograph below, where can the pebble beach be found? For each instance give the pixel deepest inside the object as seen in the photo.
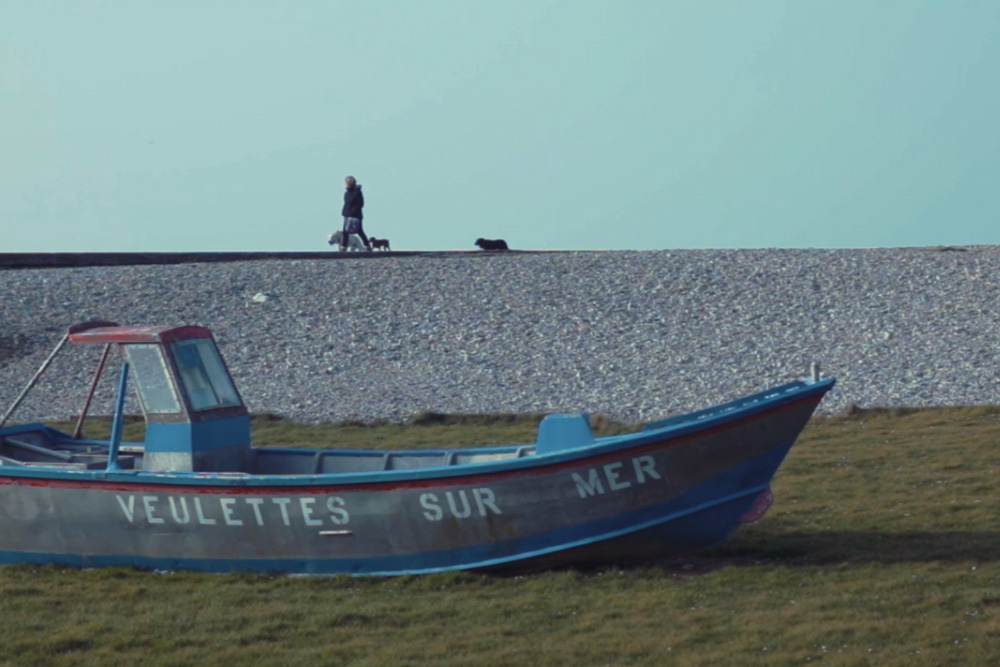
(632, 335)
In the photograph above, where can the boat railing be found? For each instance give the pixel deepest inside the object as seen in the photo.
(76, 328)
(725, 408)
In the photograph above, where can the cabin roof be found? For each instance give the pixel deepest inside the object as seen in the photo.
(90, 333)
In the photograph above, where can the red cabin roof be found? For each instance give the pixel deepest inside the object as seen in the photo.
(90, 333)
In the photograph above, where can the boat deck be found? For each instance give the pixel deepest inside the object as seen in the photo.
(42, 448)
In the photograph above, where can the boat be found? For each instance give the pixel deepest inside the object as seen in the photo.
(195, 494)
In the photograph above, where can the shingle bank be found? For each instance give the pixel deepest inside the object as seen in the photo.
(632, 335)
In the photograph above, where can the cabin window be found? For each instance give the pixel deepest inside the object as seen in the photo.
(156, 391)
(204, 376)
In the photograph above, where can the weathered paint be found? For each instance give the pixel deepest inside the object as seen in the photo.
(681, 486)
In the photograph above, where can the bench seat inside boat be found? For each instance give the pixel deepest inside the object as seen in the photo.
(279, 461)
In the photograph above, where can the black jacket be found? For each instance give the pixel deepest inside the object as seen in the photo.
(354, 201)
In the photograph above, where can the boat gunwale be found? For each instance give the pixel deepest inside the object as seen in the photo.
(677, 430)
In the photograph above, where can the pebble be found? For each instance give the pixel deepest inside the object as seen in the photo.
(633, 335)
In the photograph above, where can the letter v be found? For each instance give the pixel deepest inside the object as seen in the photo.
(128, 509)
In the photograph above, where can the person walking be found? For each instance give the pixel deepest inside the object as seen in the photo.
(354, 201)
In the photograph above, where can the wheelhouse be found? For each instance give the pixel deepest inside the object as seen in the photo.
(178, 371)
(195, 417)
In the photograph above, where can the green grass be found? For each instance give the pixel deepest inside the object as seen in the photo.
(882, 548)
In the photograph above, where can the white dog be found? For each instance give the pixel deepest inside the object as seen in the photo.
(353, 242)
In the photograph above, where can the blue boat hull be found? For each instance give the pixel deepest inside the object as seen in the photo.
(680, 486)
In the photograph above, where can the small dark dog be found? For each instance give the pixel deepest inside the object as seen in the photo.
(380, 244)
(491, 244)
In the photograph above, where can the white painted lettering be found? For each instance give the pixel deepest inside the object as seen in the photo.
(307, 511)
(256, 503)
(227, 512)
(644, 466)
(283, 504)
(589, 487)
(338, 515)
(612, 471)
(182, 501)
(128, 509)
(432, 511)
(466, 509)
(486, 499)
(153, 508)
(147, 504)
(202, 519)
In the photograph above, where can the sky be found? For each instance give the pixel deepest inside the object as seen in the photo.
(210, 125)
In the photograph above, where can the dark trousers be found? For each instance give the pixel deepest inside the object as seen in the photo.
(360, 232)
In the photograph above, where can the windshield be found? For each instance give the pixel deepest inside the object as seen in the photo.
(156, 391)
(204, 376)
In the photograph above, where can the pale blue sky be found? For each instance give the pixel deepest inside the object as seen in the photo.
(555, 124)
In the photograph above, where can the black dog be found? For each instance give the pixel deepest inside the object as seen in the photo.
(380, 243)
(491, 244)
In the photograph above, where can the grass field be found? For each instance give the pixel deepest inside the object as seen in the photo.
(882, 548)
